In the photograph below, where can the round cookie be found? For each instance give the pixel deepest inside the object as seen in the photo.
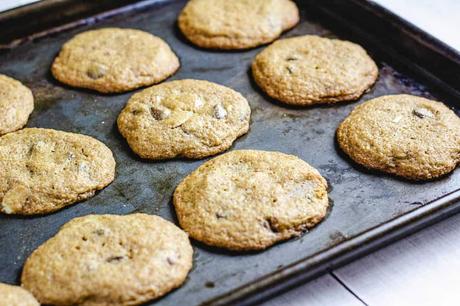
(16, 104)
(185, 118)
(309, 69)
(236, 24)
(113, 60)
(109, 260)
(16, 296)
(408, 136)
(250, 200)
(43, 170)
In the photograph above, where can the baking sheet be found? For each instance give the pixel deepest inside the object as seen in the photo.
(361, 200)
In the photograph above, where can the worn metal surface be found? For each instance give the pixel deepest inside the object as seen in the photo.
(362, 200)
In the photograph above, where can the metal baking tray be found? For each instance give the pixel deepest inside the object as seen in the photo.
(369, 209)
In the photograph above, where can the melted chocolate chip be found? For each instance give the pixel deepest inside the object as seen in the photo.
(271, 224)
(422, 112)
(114, 259)
(170, 261)
(219, 112)
(96, 71)
(158, 114)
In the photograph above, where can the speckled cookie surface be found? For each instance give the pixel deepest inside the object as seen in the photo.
(249, 200)
(309, 69)
(185, 118)
(236, 24)
(109, 260)
(405, 135)
(114, 60)
(43, 170)
(16, 296)
(16, 104)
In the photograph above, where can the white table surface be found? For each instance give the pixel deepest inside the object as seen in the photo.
(423, 269)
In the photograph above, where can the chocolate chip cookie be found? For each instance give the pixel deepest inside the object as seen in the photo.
(109, 260)
(43, 170)
(16, 296)
(113, 60)
(185, 118)
(16, 104)
(236, 24)
(409, 136)
(249, 200)
(309, 69)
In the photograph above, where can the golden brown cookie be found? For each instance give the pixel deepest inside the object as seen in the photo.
(249, 200)
(114, 60)
(109, 260)
(16, 296)
(186, 118)
(16, 104)
(408, 136)
(309, 69)
(43, 170)
(236, 24)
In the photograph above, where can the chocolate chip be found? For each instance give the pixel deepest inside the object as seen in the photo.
(289, 69)
(70, 156)
(292, 58)
(422, 112)
(99, 232)
(96, 71)
(219, 111)
(271, 224)
(114, 259)
(220, 215)
(158, 114)
(136, 111)
(170, 261)
(31, 150)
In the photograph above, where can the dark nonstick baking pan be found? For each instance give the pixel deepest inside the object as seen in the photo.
(369, 209)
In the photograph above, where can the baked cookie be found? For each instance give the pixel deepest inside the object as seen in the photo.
(236, 24)
(16, 296)
(114, 60)
(186, 118)
(16, 104)
(309, 69)
(109, 260)
(43, 170)
(249, 200)
(408, 136)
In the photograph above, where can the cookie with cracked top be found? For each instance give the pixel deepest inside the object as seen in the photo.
(185, 118)
(112, 60)
(404, 135)
(307, 70)
(44, 170)
(236, 24)
(109, 260)
(249, 200)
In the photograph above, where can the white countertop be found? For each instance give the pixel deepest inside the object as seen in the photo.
(9, 4)
(423, 269)
(440, 18)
